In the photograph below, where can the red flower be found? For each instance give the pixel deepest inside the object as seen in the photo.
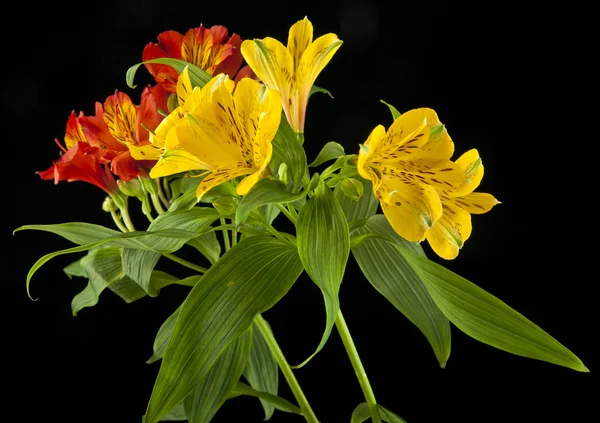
(82, 162)
(208, 48)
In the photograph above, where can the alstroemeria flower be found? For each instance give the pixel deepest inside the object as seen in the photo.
(82, 162)
(291, 70)
(130, 125)
(211, 49)
(449, 233)
(407, 165)
(228, 135)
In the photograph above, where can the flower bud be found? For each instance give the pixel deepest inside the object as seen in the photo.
(352, 188)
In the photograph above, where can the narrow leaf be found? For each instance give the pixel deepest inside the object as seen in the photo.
(77, 232)
(331, 150)
(279, 403)
(287, 148)
(389, 417)
(127, 289)
(395, 113)
(393, 277)
(163, 336)
(249, 279)
(75, 269)
(266, 191)
(208, 245)
(213, 390)
(176, 414)
(324, 245)
(198, 76)
(365, 207)
(314, 89)
(486, 318)
(262, 371)
(138, 265)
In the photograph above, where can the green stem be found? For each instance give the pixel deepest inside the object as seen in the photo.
(157, 205)
(185, 263)
(286, 213)
(167, 190)
(225, 235)
(344, 332)
(127, 218)
(267, 334)
(117, 220)
(161, 194)
(234, 236)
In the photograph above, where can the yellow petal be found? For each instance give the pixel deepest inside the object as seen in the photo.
(271, 62)
(175, 161)
(410, 209)
(407, 134)
(439, 146)
(443, 175)
(218, 176)
(160, 133)
(476, 202)
(184, 88)
(120, 117)
(367, 149)
(203, 136)
(248, 182)
(221, 81)
(145, 152)
(471, 164)
(449, 233)
(316, 56)
(300, 37)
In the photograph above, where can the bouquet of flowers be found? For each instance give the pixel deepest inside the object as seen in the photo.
(213, 155)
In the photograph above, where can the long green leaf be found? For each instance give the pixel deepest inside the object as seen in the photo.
(213, 390)
(79, 233)
(103, 267)
(163, 337)
(287, 148)
(249, 279)
(279, 403)
(198, 76)
(266, 191)
(138, 265)
(365, 207)
(324, 245)
(389, 417)
(485, 317)
(393, 277)
(127, 289)
(331, 150)
(208, 245)
(262, 371)
(395, 113)
(176, 414)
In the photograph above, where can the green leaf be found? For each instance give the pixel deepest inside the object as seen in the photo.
(249, 279)
(262, 371)
(77, 232)
(314, 89)
(287, 148)
(163, 336)
(331, 150)
(103, 267)
(177, 413)
(138, 265)
(75, 269)
(208, 245)
(127, 289)
(365, 207)
(392, 276)
(395, 113)
(266, 191)
(279, 403)
(324, 245)
(213, 390)
(184, 202)
(361, 413)
(389, 417)
(198, 76)
(485, 317)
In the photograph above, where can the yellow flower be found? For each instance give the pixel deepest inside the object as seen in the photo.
(291, 70)
(229, 135)
(407, 165)
(449, 233)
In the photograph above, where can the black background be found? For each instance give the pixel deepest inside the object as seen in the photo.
(517, 81)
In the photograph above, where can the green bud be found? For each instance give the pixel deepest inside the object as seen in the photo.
(172, 103)
(352, 188)
(150, 185)
(282, 173)
(108, 204)
(133, 188)
(226, 206)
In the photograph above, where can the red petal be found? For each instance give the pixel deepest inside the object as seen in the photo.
(161, 96)
(232, 63)
(125, 166)
(147, 116)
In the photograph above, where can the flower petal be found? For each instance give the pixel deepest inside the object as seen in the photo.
(125, 166)
(366, 150)
(444, 175)
(476, 202)
(300, 37)
(74, 133)
(316, 56)
(448, 234)
(120, 117)
(248, 182)
(146, 117)
(411, 209)
(97, 133)
(471, 164)
(218, 176)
